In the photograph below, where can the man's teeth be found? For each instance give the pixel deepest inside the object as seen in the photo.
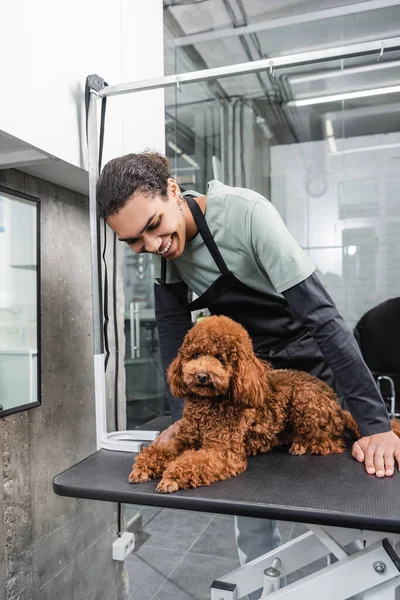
(167, 247)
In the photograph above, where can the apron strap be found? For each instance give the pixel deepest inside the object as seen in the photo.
(206, 234)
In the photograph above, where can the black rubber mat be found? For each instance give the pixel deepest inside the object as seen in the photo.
(324, 490)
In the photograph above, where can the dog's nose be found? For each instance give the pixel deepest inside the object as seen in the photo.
(202, 377)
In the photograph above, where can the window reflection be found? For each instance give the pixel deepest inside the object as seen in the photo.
(18, 303)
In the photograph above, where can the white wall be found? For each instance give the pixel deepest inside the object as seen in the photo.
(48, 48)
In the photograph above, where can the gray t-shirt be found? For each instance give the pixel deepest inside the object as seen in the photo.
(252, 239)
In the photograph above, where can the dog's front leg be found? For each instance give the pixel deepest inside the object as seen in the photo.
(152, 461)
(195, 468)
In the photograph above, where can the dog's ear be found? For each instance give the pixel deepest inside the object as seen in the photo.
(174, 375)
(250, 380)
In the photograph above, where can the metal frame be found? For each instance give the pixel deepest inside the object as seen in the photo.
(36, 201)
(128, 440)
(273, 63)
(123, 441)
(380, 378)
(372, 568)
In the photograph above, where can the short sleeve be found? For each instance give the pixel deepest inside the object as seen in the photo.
(172, 275)
(276, 250)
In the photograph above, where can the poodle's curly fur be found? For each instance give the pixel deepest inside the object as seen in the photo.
(237, 405)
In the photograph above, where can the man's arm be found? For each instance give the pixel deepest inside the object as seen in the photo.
(380, 446)
(173, 321)
(312, 305)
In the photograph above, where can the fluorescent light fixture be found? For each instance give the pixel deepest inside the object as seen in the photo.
(174, 148)
(345, 96)
(190, 161)
(265, 128)
(332, 144)
(329, 128)
(297, 79)
(367, 149)
(330, 136)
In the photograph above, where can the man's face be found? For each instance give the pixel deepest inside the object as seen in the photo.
(152, 223)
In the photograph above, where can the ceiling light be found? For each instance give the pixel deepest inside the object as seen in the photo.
(329, 127)
(298, 79)
(330, 136)
(265, 128)
(174, 148)
(345, 96)
(367, 149)
(332, 144)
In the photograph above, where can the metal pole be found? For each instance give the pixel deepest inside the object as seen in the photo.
(98, 344)
(124, 441)
(254, 66)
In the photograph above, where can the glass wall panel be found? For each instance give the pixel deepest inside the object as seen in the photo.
(321, 141)
(341, 193)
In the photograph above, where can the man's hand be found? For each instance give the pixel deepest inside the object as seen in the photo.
(378, 452)
(168, 434)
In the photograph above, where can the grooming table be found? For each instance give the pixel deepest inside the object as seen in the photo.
(333, 495)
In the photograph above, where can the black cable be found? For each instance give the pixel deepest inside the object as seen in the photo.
(114, 296)
(115, 333)
(116, 351)
(105, 303)
(105, 300)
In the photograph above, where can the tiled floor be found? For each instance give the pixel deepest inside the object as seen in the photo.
(179, 553)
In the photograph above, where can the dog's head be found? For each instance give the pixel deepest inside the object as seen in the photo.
(217, 359)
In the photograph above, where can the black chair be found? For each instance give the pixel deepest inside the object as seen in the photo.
(389, 386)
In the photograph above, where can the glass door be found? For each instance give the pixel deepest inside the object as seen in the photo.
(145, 389)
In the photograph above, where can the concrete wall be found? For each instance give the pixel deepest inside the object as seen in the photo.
(57, 547)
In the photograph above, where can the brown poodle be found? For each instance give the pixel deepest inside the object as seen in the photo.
(237, 405)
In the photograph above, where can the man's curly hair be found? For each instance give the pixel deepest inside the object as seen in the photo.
(121, 177)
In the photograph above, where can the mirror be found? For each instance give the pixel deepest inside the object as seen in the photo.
(19, 302)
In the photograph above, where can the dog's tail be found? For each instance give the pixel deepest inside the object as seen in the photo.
(352, 426)
(350, 423)
(395, 423)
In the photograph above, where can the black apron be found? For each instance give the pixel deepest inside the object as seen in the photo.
(277, 337)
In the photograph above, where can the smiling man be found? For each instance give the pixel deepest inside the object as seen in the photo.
(233, 250)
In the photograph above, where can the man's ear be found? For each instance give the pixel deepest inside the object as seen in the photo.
(173, 188)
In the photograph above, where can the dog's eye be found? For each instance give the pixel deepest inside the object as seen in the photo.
(195, 356)
(220, 358)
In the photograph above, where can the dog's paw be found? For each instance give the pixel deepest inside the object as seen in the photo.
(297, 449)
(139, 476)
(167, 486)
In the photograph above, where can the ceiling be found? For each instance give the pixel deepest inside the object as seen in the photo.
(201, 34)
(17, 154)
